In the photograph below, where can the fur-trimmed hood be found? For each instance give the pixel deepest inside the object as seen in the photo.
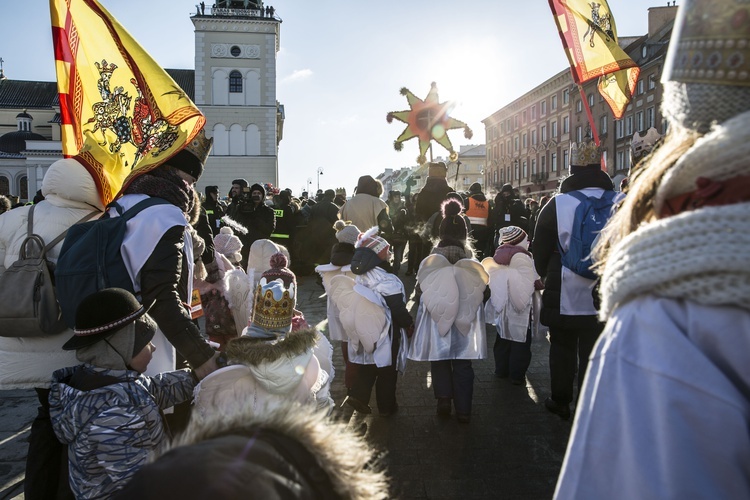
(284, 454)
(253, 352)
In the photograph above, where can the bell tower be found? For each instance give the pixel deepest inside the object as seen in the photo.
(236, 43)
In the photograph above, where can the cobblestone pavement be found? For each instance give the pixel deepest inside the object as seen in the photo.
(513, 448)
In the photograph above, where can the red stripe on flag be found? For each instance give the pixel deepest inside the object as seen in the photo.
(62, 45)
(67, 117)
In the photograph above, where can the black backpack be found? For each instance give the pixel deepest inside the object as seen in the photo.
(90, 259)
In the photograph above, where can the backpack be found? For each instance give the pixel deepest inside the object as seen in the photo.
(590, 217)
(28, 303)
(90, 259)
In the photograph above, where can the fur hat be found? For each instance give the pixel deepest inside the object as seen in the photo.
(453, 226)
(369, 251)
(229, 245)
(240, 182)
(346, 232)
(512, 235)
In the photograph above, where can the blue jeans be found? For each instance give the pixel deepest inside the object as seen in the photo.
(454, 378)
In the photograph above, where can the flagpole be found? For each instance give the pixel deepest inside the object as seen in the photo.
(589, 115)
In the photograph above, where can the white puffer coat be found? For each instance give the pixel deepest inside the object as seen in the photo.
(70, 194)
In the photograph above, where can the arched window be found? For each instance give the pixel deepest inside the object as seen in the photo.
(236, 140)
(23, 186)
(4, 185)
(235, 82)
(221, 140)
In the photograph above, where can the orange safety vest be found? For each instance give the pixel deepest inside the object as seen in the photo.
(478, 212)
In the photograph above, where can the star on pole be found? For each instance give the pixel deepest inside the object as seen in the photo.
(428, 120)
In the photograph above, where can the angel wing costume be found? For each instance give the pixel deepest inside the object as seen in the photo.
(450, 318)
(327, 272)
(512, 288)
(366, 318)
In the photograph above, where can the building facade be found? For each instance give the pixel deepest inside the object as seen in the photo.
(528, 140)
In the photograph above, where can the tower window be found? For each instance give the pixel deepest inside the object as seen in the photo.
(235, 51)
(235, 82)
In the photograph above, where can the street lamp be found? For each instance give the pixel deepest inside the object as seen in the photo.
(320, 172)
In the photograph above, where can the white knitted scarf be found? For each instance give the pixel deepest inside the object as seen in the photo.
(701, 255)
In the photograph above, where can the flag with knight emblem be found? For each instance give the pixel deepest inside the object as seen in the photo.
(589, 36)
(121, 113)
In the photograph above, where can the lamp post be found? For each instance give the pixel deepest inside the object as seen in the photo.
(320, 172)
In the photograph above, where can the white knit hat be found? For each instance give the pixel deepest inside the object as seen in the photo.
(229, 245)
(513, 235)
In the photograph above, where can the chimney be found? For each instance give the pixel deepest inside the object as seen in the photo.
(658, 17)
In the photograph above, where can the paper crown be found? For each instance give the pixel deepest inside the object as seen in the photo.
(200, 146)
(340, 191)
(641, 145)
(274, 305)
(584, 153)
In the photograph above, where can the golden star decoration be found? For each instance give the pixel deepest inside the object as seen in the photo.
(428, 120)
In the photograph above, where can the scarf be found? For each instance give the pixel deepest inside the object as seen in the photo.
(701, 255)
(166, 184)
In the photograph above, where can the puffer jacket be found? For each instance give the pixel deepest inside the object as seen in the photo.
(70, 195)
(547, 258)
(111, 422)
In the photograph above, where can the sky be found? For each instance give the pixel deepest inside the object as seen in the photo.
(342, 64)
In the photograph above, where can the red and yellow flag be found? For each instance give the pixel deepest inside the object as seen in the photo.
(122, 114)
(589, 36)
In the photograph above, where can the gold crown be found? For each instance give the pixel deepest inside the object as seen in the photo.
(200, 146)
(274, 305)
(340, 191)
(584, 153)
(710, 44)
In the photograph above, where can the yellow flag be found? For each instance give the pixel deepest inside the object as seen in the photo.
(121, 113)
(589, 36)
(617, 89)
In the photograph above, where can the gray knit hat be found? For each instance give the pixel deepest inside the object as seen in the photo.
(346, 232)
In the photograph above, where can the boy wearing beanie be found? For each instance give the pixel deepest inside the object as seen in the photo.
(105, 410)
(512, 281)
(449, 330)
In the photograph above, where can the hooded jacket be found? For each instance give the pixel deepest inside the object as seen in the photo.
(111, 421)
(70, 194)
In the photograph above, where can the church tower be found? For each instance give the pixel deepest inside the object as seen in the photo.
(236, 43)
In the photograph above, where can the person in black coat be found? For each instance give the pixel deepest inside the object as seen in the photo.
(508, 211)
(252, 213)
(215, 209)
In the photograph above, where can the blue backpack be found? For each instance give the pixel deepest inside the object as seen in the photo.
(90, 259)
(590, 217)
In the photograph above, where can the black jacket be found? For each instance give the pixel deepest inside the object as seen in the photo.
(164, 282)
(547, 258)
(260, 221)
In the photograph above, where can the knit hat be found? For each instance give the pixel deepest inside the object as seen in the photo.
(475, 188)
(279, 270)
(507, 188)
(512, 235)
(229, 245)
(218, 316)
(453, 226)
(706, 71)
(369, 251)
(437, 169)
(346, 232)
(192, 157)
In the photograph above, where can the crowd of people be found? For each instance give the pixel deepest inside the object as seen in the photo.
(644, 293)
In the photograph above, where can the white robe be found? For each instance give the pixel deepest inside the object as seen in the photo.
(665, 409)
